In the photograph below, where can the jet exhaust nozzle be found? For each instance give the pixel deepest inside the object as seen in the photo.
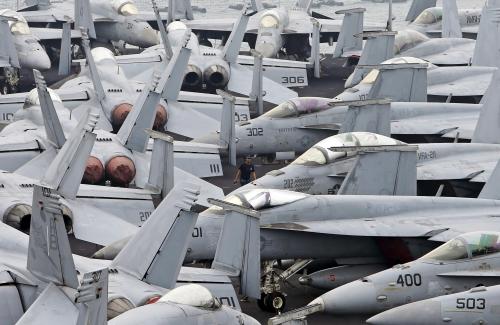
(193, 76)
(120, 170)
(94, 171)
(216, 76)
(119, 114)
(161, 118)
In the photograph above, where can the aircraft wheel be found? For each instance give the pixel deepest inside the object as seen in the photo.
(272, 302)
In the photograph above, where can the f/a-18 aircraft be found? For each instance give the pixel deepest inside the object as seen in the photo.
(450, 50)
(212, 68)
(468, 307)
(291, 127)
(467, 261)
(140, 274)
(277, 30)
(425, 17)
(106, 21)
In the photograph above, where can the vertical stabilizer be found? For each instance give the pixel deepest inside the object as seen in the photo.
(381, 170)
(352, 25)
(373, 115)
(227, 128)
(92, 298)
(156, 252)
(487, 50)
(83, 17)
(163, 32)
(238, 248)
(488, 125)
(232, 48)
(400, 82)
(8, 52)
(65, 53)
(451, 21)
(379, 47)
(257, 92)
(161, 168)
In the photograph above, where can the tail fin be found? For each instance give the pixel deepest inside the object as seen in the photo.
(400, 82)
(352, 25)
(367, 116)
(49, 253)
(168, 84)
(92, 298)
(257, 92)
(417, 6)
(161, 168)
(488, 125)
(227, 127)
(179, 9)
(8, 52)
(491, 189)
(451, 22)
(232, 48)
(488, 37)
(379, 47)
(94, 72)
(238, 248)
(83, 17)
(315, 58)
(53, 128)
(381, 170)
(66, 171)
(304, 5)
(65, 55)
(163, 31)
(146, 256)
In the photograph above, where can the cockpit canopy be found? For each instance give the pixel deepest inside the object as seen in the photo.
(299, 106)
(193, 295)
(18, 27)
(269, 21)
(259, 199)
(430, 16)
(320, 155)
(372, 75)
(125, 7)
(407, 39)
(466, 246)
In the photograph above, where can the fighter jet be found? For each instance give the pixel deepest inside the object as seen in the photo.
(290, 128)
(447, 51)
(106, 20)
(467, 307)
(467, 261)
(138, 273)
(211, 68)
(277, 30)
(425, 17)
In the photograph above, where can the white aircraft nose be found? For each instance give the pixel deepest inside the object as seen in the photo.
(352, 298)
(417, 313)
(37, 59)
(149, 37)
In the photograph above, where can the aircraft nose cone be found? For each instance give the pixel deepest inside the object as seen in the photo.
(149, 37)
(268, 50)
(352, 298)
(38, 59)
(418, 313)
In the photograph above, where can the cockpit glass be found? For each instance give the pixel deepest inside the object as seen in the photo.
(312, 157)
(19, 28)
(407, 39)
(320, 154)
(370, 77)
(299, 106)
(286, 109)
(429, 16)
(193, 295)
(259, 199)
(465, 246)
(455, 249)
(128, 9)
(269, 21)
